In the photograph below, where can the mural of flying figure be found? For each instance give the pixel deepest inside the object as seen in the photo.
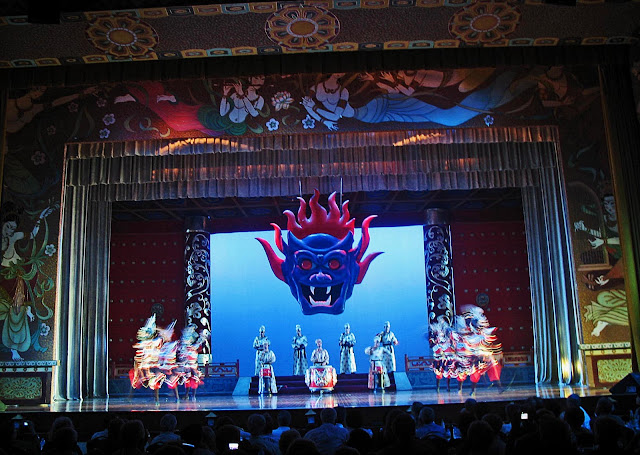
(321, 266)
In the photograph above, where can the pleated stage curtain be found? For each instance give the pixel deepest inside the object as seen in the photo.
(83, 296)
(97, 174)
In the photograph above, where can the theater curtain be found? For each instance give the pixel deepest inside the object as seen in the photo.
(83, 278)
(278, 172)
(553, 295)
(94, 179)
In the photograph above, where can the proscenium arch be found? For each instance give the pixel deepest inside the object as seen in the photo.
(98, 173)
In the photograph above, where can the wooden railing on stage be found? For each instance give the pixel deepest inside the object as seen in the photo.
(210, 370)
(417, 363)
(221, 369)
(509, 359)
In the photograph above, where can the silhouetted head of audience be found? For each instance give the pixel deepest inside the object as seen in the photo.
(328, 415)
(256, 425)
(360, 440)
(574, 417)
(494, 421)
(168, 423)
(479, 435)
(286, 438)
(604, 407)
(133, 435)
(284, 418)
(404, 428)
(302, 447)
(427, 415)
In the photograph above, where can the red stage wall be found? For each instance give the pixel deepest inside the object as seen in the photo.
(146, 270)
(491, 258)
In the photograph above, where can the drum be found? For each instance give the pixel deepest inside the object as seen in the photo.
(265, 372)
(321, 378)
(378, 369)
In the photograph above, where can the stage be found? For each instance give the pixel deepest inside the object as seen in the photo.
(311, 401)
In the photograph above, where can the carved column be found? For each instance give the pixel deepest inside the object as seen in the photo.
(438, 266)
(197, 291)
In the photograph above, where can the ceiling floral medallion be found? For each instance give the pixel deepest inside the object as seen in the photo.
(484, 22)
(302, 27)
(122, 36)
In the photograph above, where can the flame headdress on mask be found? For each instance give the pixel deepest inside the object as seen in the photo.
(320, 266)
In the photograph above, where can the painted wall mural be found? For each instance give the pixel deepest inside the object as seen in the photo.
(42, 120)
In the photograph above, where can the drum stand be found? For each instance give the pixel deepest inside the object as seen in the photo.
(378, 375)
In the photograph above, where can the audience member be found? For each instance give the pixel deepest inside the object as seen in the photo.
(427, 427)
(168, 424)
(286, 438)
(284, 424)
(328, 437)
(193, 435)
(302, 447)
(133, 438)
(256, 425)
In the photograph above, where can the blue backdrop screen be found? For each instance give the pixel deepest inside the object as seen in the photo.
(245, 294)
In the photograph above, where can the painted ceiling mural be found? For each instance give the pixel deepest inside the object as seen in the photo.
(310, 26)
(42, 120)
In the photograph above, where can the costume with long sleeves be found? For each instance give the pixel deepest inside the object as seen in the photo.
(320, 357)
(388, 340)
(258, 345)
(299, 345)
(347, 356)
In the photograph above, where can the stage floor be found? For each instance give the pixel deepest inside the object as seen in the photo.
(313, 401)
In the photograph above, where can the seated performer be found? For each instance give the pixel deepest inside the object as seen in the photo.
(258, 345)
(347, 356)
(321, 376)
(267, 381)
(377, 371)
(299, 345)
(320, 356)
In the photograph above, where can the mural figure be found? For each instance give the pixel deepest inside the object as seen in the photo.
(330, 102)
(22, 110)
(378, 374)
(299, 345)
(242, 103)
(21, 267)
(321, 266)
(610, 308)
(388, 340)
(611, 239)
(347, 356)
(258, 345)
(267, 376)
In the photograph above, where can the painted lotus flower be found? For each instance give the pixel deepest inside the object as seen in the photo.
(273, 124)
(109, 119)
(38, 158)
(281, 100)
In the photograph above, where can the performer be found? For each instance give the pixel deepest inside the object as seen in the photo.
(299, 345)
(378, 374)
(481, 351)
(320, 356)
(191, 376)
(388, 340)
(167, 361)
(347, 357)
(258, 345)
(447, 364)
(267, 358)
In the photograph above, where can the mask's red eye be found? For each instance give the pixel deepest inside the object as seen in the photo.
(334, 264)
(306, 264)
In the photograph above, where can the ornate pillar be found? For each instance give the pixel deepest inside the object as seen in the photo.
(438, 267)
(197, 290)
